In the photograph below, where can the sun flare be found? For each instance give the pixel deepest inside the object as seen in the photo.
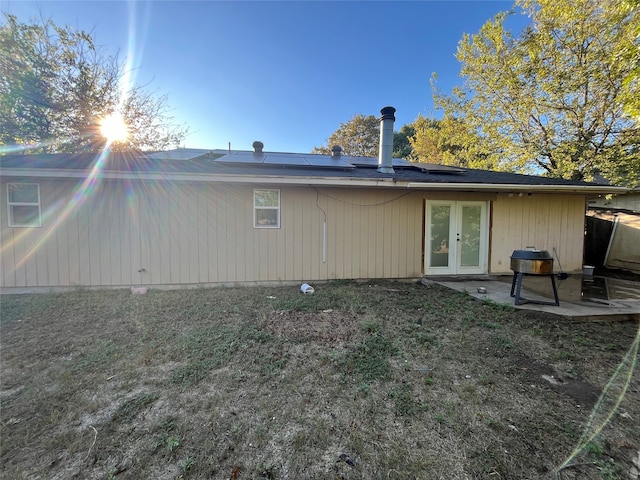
(114, 128)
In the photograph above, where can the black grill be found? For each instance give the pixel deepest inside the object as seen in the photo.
(531, 262)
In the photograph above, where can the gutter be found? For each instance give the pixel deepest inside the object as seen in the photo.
(321, 181)
(199, 177)
(520, 188)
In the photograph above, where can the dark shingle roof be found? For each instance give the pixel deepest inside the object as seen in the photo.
(233, 162)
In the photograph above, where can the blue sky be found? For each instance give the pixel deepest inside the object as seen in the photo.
(286, 73)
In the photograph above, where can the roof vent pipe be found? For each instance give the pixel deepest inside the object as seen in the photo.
(385, 161)
(336, 151)
(257, 146)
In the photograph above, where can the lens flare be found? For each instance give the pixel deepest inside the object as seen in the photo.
(607, 405)
(114, 128)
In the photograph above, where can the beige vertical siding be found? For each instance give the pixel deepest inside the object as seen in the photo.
(623, 249)
(120, 233)
(629, 201)
(124, 233)
(543, 221)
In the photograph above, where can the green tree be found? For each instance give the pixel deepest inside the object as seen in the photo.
(552, 98)
(629, 52)
(56, 86)
(450, 141)
(402, 146)
(359, 136)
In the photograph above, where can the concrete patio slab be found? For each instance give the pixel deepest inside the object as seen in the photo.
(581, 298)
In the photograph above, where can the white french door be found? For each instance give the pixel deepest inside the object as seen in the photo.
(456, 239)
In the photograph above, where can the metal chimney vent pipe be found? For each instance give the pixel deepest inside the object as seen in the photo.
(385, 160)
(257, 146)
(336, 151)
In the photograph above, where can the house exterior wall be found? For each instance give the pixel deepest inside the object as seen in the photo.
(543, 221)
(623, 249)
(629, 201)
(121, 233)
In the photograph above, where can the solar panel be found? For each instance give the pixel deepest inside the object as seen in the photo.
(241, 157)
(342, 162)
(329, 162)
(432, 167)
(402, 163)
(179, 154)
(285, 159)
(373, 162)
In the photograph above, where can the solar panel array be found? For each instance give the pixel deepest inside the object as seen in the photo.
(339, 162)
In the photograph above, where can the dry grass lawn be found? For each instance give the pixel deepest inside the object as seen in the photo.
(376, 380)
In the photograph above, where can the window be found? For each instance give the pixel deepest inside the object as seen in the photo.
(23, 204)
(266, 208)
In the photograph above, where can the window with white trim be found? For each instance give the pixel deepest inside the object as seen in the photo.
(23, 203)
(266, 208)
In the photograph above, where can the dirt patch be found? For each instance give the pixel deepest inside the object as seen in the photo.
(532, 371)
(327, 326)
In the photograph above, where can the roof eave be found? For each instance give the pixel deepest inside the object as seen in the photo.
(199, 177)
(524, 188)
(308, 180)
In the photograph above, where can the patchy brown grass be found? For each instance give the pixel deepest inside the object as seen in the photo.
(358, 381)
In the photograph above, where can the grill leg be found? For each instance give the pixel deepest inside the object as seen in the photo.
(518, 283)
(555, 290)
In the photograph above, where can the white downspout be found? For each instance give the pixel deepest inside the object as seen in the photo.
(324, 242)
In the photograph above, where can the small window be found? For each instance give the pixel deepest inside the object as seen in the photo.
(266, 208)
(23, 204)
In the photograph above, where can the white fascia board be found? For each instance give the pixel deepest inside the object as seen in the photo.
(516, 187)
(195, 177)
(323, 181)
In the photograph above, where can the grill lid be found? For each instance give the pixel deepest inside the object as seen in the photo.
(531, 255)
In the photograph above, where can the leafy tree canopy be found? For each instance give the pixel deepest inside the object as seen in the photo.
(402, 145)
(360, 136)
(450, 141)
(553, 98)
(630, 53)
(56, 86)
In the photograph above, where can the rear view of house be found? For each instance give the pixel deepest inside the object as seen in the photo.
(210, 217)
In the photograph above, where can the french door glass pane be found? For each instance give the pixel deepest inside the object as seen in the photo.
(470, 236)
(440, 219)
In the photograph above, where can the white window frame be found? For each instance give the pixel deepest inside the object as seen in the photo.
(11, 204)
(257, 207)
